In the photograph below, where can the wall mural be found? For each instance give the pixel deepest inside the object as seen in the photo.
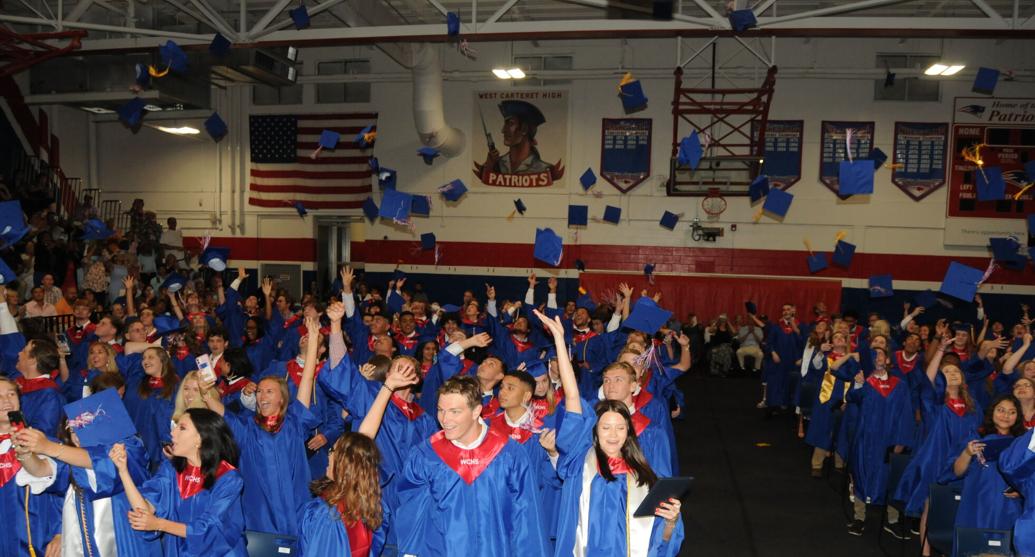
(520, 138)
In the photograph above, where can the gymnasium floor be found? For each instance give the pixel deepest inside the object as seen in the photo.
(759, 501)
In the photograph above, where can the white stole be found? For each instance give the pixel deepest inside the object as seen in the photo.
(637, 529)
(102, 528)
(806, 359)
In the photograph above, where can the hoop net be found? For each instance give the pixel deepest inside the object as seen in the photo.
(713, 204)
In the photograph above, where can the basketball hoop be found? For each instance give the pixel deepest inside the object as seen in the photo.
(714, 204)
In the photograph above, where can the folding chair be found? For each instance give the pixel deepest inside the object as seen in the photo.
(974, 542)
(941, 517)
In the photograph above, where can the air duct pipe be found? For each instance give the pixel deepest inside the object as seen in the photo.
(428, 110)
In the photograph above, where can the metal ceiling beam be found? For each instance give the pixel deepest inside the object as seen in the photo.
(78, 11)
(326, 5)
(708, 9)
(761, 8)
(501, 12)
(214, 18)
(268, 17)
(988, 11)
(832, 10)
(109, 28)
(605, 4)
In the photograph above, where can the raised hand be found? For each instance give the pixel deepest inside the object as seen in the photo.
(399, 285)
(335, 311)
(481, 340)
(267, 286)
(553, 325)
(548, 440)
(669, 510)
(347, 274)
(490, 291)
(401, 376)
(625, 289)
(241, 273)
(128, 283)
(531, 280)
(117, 454)
(552, 283)
(683, 340)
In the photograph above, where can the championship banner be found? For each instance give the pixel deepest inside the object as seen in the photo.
(520, 138)
(625, 151)
(783, 146)
(919, 156)
(832, 138)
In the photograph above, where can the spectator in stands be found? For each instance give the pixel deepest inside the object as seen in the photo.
(51, 293)
(136, 218)
(720, 345)
(96, 277)
(750, 338)
(693, 329)
(172, 242)
(37, 306)
(149, 243)
(11, 297)
(64, 304)
(86, 211)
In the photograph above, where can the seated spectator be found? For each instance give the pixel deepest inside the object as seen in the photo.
(37, 306)
(749, 336)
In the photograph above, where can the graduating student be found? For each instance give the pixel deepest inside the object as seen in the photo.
(884, 424)
(1024, 391)
(194, 501)
(811, 372)
(516, 342)
(94, 501)
(605, 478)
(75, 384)
(838, 368)
(451, 362)
(991, 493)
(467, 490)
(150, 398)
(31, 518)
(1014, 362)
(651, 420)
(784, 346)
(905, 362)
(349, 514)
(953, 416)
(366, 340)
(272, 441)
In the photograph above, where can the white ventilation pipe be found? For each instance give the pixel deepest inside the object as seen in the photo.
(428, 108)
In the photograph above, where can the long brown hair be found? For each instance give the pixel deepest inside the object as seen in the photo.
(631, 452)
(968, 401)
(111, 366)
(285, 401)
(357, 484)
(988, 426)
(169, 377)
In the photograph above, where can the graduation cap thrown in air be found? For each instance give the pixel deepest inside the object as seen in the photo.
(132, 113)
(300, 16)
(370, 209)
(587, 179)
(669, 220)
(961, 281)
(548, 246)
(519, 206)
(141, 76)
(1005, 251)
(429, 154)
(585, 301)
(690, 151)
(878, 157)
(452, 24)
(985, 81)
(648, 271)
(166, 324)
(329, 139)
(174, 282)
(1029, 170)
(647, 316)
(100, 419)
(366, 137)
(881, 286)
(925, 299)
(990, 183)
(817, 262)
(843, 252)
(395, 205)
(427, 241)
(173, 57)
(453, 191)
(95, 229)
(421, 206)
(580, 265)
(215, 126)
(450, 308)
(300, 208)
(759, 188)
(215, 258)
(855, 177)
(1031, 224)
(742, 20)
(630, 90)
(612, 214)
(578, 215)
(750, 307)
(12, 223)
(777, 203)
(387, 178)
(220, 46)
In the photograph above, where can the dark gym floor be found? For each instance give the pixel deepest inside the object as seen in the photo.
(759, 501)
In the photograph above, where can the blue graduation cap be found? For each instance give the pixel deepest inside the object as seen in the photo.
(648, 271)
(580, 265)
(578, 215)
(132, 113)
(452, 24)
(588, 179)
(990, 184)
(817, 262)
(220, 46)
(215, 126)
(1031, 224)
(366, 136)
(6, 274)
(878, 157)
(669, 220)
(173, 57)
(421, 205)
(548, 246)
(843, 252)
(881, 286)
(647, 316)
(630, 90)
(300, 16)
(427, 241)
(855, 177)
(690, 151)
(985, 81)
(300, 207)
(395, 205)
(778, 202)
(519, 206)
(1029, 169)
(585, 301)
(370, 209)
(429, 154)
(961, 281)
(925, 299)
(141, 76)
(612, 214)
(386, 178)
(174, 282)
(759, 188)
(12, 223)
(166, 324)
(95, 229)
(450, 308)
(454, 190)
(537, 368)
(750, 307)
(375, 165)
(215, 258)
(742, 20)
(329, 139)
(99, 419)
(398, 274)
(1005, 251)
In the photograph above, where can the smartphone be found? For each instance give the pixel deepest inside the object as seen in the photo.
(17, 420)
(63, 345)
(204, 364)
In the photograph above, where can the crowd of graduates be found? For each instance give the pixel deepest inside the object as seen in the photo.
(952, 402)
(374, 422)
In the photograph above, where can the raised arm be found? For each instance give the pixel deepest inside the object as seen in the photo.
(131, 304)
(305, 387)
(684, 353)
(400, 376)
(1015, 357)
(627, 294)
(121, 460)
(33, 440)
(335, 312)
(936, 358)
(267, 291)
(572, 400)
(175, 305)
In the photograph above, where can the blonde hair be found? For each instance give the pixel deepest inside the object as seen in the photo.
(181, 405)
(112, 365)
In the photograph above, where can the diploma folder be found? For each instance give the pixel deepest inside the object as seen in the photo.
(261, 544)
(663, 490)
(993, 447)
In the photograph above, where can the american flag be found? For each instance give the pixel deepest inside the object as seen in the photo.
(283, 173)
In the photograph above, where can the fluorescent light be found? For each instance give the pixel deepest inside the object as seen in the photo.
(953, 70)
(501, 73)
(182, 130)
(944, 70)
(516, 73)
(936, 69)
(97, 110)
(152, 108)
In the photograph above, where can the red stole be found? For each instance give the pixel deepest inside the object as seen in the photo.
(32, 385)
(521, 345)
(360, 535)
(270, 423)
(580, 337)
(155, 382)
(640, 422)
(1028, 424)
(191, 480)
(963, 353)
(465, 366)
(294, 370)
(370, 342)
(540, 407)
(905, 365)
(291, 321)
(468, 463)
(228, 387)
(956, 405)
(617, 465)
(489, 409)
(787, 328)
(411, 410)
(642, 398)
(9, 464)
(424, 369)
(76, 333)
(408, 342)
(521, 434)
(883, 386)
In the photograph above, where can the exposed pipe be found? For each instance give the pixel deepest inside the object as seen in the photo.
(428, 108)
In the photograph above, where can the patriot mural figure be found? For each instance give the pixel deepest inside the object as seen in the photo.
(521, 165)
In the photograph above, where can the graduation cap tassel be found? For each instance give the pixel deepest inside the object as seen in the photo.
(848, 142)
(988, 272)
(840, 235)
(973, 154)
(316, 153)
(808, 246)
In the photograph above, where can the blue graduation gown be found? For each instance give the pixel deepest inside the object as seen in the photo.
(1017, 465)
(323, 531)
(884, 421)
(827, 405)
(44, 517)
(214, 517)
(607, 508)
(274, 467)
(982, 503)
(781, 378)
(152, 416)
(947, 431)
(232, 315)
(260, 352)
(495, 515)
(72, 390)
(513, 352)
(42, 409)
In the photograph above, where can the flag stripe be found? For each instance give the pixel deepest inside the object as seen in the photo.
(310, 174)
(309, 204)
(300, 188)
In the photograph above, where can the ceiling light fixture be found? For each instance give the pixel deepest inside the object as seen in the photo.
(944, 70)
(512, 73)
(182, 130)
(501, 73)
